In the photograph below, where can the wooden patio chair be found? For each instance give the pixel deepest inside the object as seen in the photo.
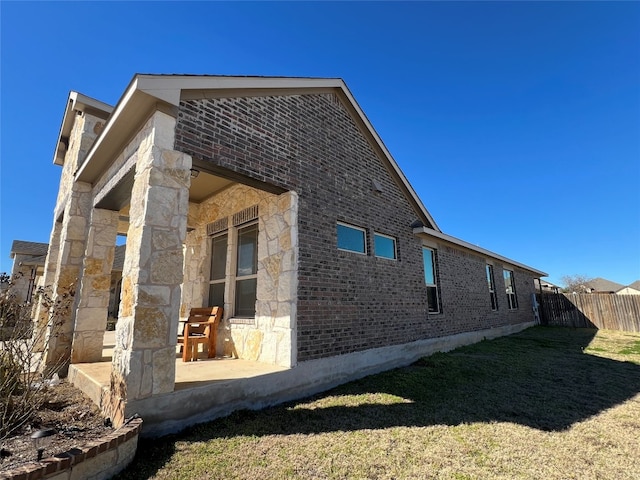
(200, 328)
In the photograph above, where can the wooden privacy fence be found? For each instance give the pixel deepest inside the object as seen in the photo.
(591, 310)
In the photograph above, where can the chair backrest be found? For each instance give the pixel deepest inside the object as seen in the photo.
(198, 315)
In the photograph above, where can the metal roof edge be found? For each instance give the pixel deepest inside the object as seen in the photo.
(475, 248)
(168, 88)
(389, 157)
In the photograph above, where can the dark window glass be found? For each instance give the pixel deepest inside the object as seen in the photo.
(216, 294)
(510, 287)
(218, 269)
(246, 297)
(218, 257)
(429, 260)
(351, 238)
(247, 268)
(492, 288)
(385, 247)
(247, 251)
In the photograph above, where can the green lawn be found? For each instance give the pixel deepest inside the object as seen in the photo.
(548, 403)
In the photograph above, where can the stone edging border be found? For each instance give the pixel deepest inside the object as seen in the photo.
(90, 458)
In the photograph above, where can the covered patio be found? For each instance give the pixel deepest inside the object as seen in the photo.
(196, 235)
(227, 384)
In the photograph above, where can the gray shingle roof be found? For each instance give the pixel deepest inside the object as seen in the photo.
(39, 251)
(635, 285)
(22, 247)
(604, 285)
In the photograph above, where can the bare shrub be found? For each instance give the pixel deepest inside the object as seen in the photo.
(23, 386)
(576, 283)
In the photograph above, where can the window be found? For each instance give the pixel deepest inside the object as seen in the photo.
(384, 246)
(217, 279)
(430, 278)
(492, 288)
(246, 271)
(512, 299)
(351, 238)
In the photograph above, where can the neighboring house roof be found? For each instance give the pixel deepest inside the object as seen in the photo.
(628, 291)
(635, 285)
(548, 285)
(22, 247)
(39, 260)
(604, 285)
(146, 91)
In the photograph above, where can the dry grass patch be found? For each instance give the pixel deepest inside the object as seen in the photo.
(547, 403)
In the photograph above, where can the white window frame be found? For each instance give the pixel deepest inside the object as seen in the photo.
(224, 279)
(434, 285)
(353, 227)
(492, 287)
(512, 297)
(395, 246)
(235, 277)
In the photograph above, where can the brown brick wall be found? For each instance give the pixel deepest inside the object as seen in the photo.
(465, 293)
(346, 301)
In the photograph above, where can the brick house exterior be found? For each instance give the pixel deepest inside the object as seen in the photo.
(346, 302)
(281, 166)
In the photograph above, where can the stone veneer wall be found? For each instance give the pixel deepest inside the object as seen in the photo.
(67, 242)
(347, 302)
(86, 128)
(270, 336)
(144, 354)
(97, 460)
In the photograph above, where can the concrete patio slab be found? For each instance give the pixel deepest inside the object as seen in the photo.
(213, 388)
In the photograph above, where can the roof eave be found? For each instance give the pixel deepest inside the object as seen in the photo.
(146, 90)
(396, 169)
(469, 246)
(76, 102)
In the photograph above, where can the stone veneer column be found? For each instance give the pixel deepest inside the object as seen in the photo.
(41, 317)
(93, 293)
(73, 238)
(276, 311)
(145, 351)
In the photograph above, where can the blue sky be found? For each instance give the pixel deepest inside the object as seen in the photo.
(518, 124)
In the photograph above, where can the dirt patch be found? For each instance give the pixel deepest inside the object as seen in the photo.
(75, 418)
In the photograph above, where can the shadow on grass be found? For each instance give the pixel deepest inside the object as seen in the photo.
(539, 378)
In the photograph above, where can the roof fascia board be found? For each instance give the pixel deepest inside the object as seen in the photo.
(81, 101)
(76, 102)
(169, 88)
(461, 243)
(115, 115)
(253, 92)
